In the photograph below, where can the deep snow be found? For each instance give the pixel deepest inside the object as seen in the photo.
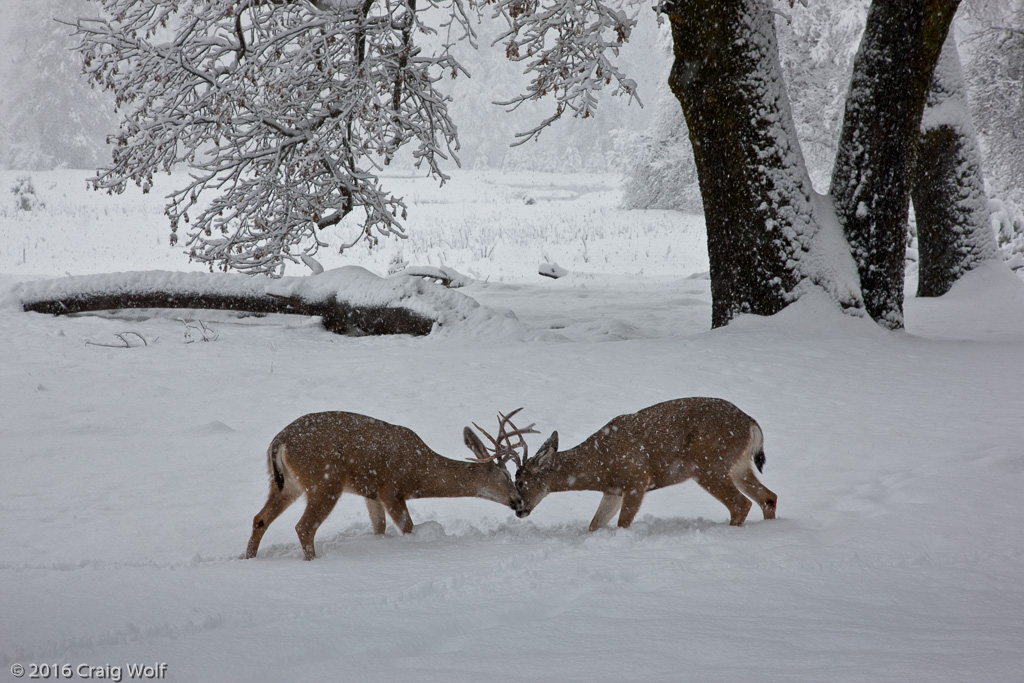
(130, 476)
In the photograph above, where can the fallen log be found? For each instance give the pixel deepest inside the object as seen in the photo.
(349, 300)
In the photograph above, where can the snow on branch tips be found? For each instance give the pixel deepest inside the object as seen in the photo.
(567, 46)
(285, 112)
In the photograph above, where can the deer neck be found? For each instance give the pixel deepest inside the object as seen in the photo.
(446, 478)
(573, 470)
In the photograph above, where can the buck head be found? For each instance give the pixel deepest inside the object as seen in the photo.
(532, 474)
(496, 482)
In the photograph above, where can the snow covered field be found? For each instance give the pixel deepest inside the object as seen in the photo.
(131, 476)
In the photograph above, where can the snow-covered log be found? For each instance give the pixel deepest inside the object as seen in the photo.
(349, 299)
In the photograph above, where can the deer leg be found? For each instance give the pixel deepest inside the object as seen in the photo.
(630, 506)
(730, 496)
(376, 510)
(277, 502)
(317, 509)
(609, 505)
(749, 485)
(399, 513)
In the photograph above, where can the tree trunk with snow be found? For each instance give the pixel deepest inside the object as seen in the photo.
(762, 218)
(872, 175)
(953, 230)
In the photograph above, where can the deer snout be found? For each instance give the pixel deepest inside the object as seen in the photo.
(517, 506)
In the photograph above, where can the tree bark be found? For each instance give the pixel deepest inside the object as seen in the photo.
(759, 207)
(953, 230)
(874, 165)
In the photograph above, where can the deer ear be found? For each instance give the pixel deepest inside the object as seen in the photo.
(474, 443)
(549, 448)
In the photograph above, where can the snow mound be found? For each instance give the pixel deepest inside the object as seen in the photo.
(552, 270)
(814, 314)
(986, 304)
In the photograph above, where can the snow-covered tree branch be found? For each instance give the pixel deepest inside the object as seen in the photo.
(568, 46)
(285, 111)
(288, 110)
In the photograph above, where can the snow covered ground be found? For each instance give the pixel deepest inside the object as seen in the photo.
(131, 475)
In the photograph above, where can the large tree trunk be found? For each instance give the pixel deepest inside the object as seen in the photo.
(872, 175)
(953, 230)
(765, 234)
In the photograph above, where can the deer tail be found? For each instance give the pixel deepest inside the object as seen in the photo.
(274, 455)
(757, 447)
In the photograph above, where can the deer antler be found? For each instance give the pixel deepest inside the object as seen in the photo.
(518, 433)
(503, 449)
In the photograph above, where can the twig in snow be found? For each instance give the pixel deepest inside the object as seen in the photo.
(126, 342)
(206, 333)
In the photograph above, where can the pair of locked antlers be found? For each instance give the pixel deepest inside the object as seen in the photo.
(503, 449)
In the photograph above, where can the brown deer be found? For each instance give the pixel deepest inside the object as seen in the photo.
(707, 439)
(325, 454)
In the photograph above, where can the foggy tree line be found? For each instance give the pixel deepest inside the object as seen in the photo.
(50, 117)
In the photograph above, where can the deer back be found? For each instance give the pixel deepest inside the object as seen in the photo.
(346, 451)
(658, 446)
(696, 437)
(332, 452)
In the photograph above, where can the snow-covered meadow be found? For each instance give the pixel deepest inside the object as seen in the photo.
(131, 475)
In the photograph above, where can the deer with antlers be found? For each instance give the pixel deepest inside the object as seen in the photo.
(323, 455)
(706, 439)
